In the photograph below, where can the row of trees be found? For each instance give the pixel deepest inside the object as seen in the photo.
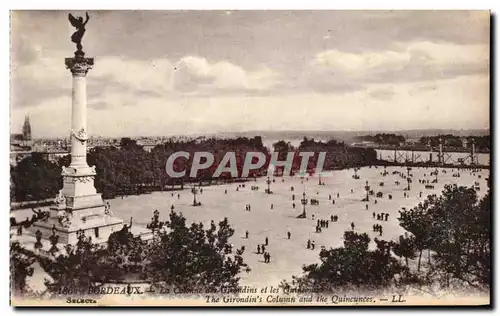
(454, 231)
(180, 255)
(338, 155)
(384, 139)
(449, 140)
(34, 178)
(130, 169)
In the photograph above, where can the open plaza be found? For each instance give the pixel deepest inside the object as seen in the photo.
(272, 216)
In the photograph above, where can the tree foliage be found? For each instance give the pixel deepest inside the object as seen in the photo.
(350, 266)
(20, 268)
(194, 257)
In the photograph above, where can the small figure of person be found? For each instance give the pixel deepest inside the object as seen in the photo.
(386, 217)
(312, 245)
(258, 249)
(333, 201)
(374, 214)
(331, 218)
(289, 234)
(293, 204)
(225, 191)
(366, 206)
(309, 244)
(352, 226)
(338, 195)
(266, 241)
(313, 217)
(329, 196)
(246, 234)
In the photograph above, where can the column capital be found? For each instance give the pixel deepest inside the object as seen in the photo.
(79, 66)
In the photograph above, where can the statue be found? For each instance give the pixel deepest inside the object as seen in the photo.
(64, 218)
(60, 199)
(80, 135)
(80, 31)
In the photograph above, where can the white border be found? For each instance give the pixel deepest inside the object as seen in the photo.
(189, 4)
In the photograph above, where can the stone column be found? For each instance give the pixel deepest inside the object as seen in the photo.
(78, 178)
(79, 66)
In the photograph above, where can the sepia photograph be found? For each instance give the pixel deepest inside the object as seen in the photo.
(269, 158)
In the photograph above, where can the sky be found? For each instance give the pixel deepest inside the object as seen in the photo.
(193, 72)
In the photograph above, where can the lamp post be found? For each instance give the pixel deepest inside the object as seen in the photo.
(194, 191)
(268, 185)
(367, 188)
(38, 236)
(54, 239)
(408, 169)
(304, 203)
(80, 234)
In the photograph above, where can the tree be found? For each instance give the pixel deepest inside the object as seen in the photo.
(194, 257)
(82, 267)
(350, 266)
(455, 227)
(20, 268)
(405, 248)
(35, 178)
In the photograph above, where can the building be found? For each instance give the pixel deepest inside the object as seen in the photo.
(21, 145)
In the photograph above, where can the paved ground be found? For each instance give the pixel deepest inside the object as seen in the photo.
(288, 256)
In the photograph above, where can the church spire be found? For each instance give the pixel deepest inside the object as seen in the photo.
(27, 128)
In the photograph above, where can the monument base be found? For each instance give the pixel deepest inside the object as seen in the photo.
(98, 230)
(28, 240)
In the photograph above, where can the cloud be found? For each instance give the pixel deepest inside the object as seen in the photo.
(405, 62)
(198, 74)
(461, 102)
(382, 94)
(154, 75)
